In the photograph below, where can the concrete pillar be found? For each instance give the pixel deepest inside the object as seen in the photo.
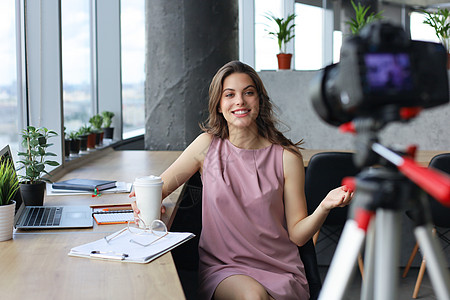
(187, 42)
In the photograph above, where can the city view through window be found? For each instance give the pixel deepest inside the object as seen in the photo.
(9, 112)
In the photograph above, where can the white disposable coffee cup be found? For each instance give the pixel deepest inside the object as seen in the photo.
(148, 190)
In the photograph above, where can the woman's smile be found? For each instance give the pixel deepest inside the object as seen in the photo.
(241, 112)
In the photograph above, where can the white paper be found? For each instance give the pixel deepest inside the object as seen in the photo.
(124, 243)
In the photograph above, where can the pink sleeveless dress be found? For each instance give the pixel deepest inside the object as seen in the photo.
(244, 225)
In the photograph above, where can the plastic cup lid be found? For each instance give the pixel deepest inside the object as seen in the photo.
(148, 180)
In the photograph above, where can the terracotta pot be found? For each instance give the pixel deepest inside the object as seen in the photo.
(284, 61)
(32, 194)
(91, 141)
(7, 221)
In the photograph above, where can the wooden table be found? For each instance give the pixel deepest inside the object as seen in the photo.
(35, 264)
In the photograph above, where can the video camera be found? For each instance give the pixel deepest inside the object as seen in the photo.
(381, 70)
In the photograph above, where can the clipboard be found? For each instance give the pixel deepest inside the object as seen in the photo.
(123, 249)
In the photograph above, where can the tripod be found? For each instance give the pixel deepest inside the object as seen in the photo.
(383, 193)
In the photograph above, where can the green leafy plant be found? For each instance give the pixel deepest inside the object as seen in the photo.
(96, 122)
(84, 130)
(34, 160)
(107, 118)
(362, 18)
(284, 32)
(8, 182)
(440, 21)
(73, 135)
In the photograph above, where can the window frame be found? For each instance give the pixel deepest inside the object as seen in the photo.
(247, 29)
(39, 65)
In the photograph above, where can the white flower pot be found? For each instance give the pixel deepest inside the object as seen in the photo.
(7, 221)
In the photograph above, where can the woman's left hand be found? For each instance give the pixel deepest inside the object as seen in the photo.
(339, 197)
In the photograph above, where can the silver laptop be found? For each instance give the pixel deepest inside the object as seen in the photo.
(48, 217)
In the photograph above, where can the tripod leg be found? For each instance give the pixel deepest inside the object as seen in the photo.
(369, 259)
(344, 262)
(387, 245)
(435, 261)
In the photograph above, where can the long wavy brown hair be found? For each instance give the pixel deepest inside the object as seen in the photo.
(266, 121)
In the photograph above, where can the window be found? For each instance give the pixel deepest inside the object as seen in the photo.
(337, 44)
(308, 37)
(420, 31)
(133, 66)
(76, 63)
(266, 47)
(308, 40)
(9, 111)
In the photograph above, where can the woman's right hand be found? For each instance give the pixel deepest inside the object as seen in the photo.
(136, 210)
(134, 207)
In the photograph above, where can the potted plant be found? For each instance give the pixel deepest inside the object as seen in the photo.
(90, 138)
(361, 18)
(96, 122)
(75, 143)
(34, 160)
(8, 188)
(283, 34)
(107, 119)
(440, 21)
(83, 134)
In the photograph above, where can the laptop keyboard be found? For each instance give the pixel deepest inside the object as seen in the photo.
(43, 216)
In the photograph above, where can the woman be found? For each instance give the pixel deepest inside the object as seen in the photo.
(254, 207)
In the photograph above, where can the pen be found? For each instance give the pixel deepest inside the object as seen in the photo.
(108, 255)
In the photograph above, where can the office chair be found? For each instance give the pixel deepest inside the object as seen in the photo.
(185, 256)
(325, 172)
(441, 220)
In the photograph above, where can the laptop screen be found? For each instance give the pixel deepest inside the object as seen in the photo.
(5, 154)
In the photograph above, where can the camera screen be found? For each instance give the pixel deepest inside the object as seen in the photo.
(388, 72)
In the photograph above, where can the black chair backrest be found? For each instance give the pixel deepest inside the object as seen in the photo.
(439, 212)
(309, 258)
(325, 172)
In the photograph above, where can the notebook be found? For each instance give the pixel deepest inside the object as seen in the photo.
(47, 217)
(84, 184)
